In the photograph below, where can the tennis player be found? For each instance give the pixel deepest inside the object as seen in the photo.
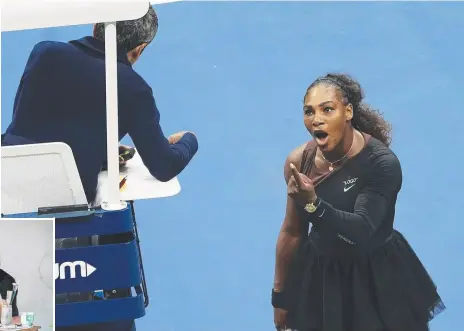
(354, 271)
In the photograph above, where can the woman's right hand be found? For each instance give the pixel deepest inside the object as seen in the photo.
(280, 318)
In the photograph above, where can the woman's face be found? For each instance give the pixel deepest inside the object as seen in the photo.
(326, 116)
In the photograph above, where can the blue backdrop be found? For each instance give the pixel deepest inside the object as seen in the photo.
(235, 73)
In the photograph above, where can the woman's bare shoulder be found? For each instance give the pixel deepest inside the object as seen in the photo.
(295, 157)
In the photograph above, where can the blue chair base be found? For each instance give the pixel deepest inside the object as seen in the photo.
(113, 310)
(90, 269)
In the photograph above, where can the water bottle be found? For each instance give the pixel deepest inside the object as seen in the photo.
(7, 315)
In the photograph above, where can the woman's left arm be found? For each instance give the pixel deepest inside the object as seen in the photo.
(373, 204)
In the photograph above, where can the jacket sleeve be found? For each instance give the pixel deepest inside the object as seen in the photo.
(163, 160)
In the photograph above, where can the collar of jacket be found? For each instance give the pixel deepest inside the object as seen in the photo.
(99, 47)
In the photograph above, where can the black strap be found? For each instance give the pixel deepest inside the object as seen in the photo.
(308, 158)
(278, 300)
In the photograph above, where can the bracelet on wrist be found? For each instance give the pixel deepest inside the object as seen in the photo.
(278, 300)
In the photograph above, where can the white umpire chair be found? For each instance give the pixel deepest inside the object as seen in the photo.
(39, 175)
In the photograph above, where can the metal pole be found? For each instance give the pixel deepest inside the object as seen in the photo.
(113, 202)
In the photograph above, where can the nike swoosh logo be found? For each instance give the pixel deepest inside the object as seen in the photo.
(346, 189)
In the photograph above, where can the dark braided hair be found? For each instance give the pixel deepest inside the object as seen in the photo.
(365, 118)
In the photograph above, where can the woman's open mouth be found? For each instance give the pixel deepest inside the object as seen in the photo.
(321, 137)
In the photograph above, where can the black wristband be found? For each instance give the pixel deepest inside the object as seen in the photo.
(278, 300)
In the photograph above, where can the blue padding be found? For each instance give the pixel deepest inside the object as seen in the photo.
(103, 222)
(83, 224)
(117, 266)
(99, 311)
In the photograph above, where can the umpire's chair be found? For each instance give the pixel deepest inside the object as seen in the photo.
(98, 267)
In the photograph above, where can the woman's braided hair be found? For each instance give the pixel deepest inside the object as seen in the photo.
(365, 118)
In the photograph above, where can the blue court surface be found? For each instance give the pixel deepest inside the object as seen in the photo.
(235, 73)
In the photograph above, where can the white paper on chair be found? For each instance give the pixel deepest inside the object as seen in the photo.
(140, 184)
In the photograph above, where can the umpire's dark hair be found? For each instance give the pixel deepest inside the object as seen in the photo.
(365, 118)
(131, 34)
